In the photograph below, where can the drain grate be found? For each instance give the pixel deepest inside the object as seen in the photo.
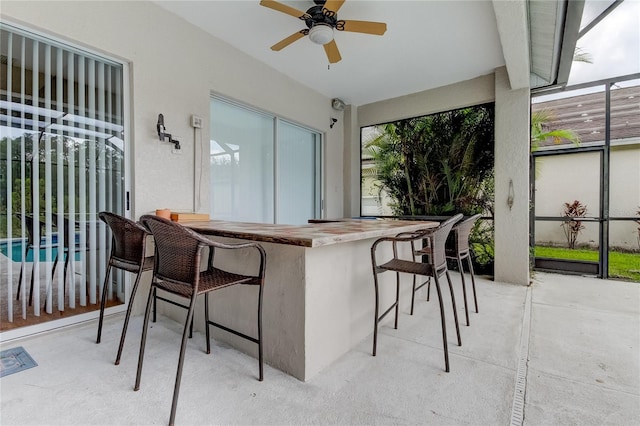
(517, 407)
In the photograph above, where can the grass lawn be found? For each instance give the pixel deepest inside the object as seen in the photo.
(621, 265)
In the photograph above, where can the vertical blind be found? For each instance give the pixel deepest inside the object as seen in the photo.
(62, 156)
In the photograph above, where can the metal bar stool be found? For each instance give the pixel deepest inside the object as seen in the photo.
(178, 253)
(435, 266)
(457, 248)
(128, 253)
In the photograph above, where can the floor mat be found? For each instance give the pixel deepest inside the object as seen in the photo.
(15, 360)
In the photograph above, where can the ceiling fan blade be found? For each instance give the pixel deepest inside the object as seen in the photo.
(333, 5)
(333, 54)
(272, 4)
(287, 41)
(367, 27)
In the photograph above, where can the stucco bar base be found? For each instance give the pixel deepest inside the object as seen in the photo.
(318, 304)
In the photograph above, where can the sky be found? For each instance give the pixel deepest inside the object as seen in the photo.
(614, 43)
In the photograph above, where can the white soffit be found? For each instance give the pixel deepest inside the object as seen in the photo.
(545, 25)
(511, 17)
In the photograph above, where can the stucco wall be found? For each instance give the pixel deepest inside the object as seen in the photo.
(174, 68)
(511, 180)
(471, 92)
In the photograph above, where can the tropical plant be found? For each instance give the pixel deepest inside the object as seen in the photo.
(439, 165)
(436, 164)
(581, 55)
(573, 227)
(540, 132)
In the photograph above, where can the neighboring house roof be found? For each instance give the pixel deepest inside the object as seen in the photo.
(585, 115)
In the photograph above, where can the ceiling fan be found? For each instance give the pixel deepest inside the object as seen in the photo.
(322, 20)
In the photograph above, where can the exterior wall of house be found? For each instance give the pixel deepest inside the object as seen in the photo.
(174, 67)
(563, 179)
(476, 91)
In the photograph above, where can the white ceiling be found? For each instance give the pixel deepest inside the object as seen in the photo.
(428, 43)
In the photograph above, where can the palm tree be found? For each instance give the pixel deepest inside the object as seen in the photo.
(539, 133)
(580, 55)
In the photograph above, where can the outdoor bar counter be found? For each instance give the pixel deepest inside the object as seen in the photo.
(318, 298)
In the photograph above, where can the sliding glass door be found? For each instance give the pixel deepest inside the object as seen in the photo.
(62, 161)
(297, 170)
(262, 168)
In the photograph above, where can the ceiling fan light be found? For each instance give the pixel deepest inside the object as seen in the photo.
(321, 34)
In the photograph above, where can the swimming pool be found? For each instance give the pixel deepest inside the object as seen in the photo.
(17, 251)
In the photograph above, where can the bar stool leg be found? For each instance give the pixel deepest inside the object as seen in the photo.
(443, 325)
(155, 303)
(183, 347)
(102, 303)
(395, 325)
(455, 311)
(413, 293)
(206, 321)
(143, 339)
(128, 314)
(260, 357)
(22, 268)
(33, 270)
(464, 289)
(375, 316)
(473, 282)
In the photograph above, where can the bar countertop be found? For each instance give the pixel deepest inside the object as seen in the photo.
(310, 235)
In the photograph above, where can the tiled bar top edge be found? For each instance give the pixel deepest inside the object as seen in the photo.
(310, 235)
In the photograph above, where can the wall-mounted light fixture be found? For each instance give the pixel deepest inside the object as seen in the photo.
(163, 135)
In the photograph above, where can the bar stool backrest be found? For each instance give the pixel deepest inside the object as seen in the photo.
(128, 239)
(459, 240)
(178, 250)
(439, 239)
(30, 225)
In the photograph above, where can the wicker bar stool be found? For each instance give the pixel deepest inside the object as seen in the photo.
(33, 244)
(457, 248)
(435, 265)
(178, 256)
(128, 249)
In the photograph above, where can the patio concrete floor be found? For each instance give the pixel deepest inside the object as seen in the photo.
(566, 350)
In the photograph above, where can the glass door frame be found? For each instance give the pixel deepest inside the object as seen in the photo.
(277, 120)
(127, 172)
